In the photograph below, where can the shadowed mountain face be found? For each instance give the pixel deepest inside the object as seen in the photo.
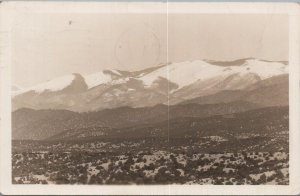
(167, 84)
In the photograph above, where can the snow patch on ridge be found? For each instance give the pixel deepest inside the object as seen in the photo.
(185, 73)
(263, 69)
(96, 79)
(116, 72)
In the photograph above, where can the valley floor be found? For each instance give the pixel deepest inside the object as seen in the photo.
(145, 167)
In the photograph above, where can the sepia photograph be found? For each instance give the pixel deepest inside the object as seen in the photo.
(141, 98)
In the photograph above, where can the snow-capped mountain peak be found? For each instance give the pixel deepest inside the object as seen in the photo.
(182, 74)
(188, 72)
(53, 85)
(176, 72)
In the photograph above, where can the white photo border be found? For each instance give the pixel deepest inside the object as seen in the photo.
(9, 9)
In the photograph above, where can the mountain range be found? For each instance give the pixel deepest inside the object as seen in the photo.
(152, 99)
(199, 81)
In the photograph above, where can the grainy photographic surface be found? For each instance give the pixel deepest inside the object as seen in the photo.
(150, 99)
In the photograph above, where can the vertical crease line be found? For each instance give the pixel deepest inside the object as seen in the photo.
(168, 86)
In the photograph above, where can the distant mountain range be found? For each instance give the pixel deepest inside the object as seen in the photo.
(268, 121)
(41, 124)
(200, 81)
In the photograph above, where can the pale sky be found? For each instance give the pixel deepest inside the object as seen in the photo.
(46, 46)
